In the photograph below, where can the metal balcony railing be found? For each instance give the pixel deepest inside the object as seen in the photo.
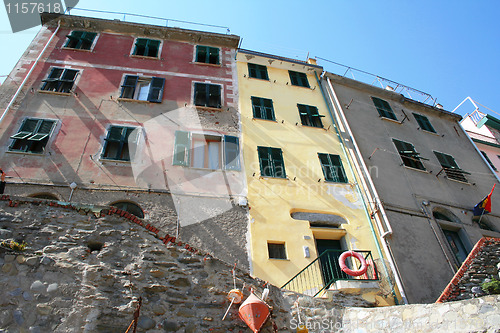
(325, 270)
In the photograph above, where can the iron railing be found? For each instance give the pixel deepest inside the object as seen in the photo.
(325, 270)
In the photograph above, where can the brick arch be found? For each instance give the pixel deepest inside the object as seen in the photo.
(129, 206)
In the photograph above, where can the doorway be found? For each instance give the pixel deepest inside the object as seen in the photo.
(329, 262)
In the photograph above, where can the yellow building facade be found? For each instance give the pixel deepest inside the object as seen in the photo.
(302, 192)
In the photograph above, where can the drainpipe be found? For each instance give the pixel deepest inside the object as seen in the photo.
(358, 189)
(372, 193)
(21, 86)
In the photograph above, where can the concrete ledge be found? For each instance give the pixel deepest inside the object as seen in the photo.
(354, 286)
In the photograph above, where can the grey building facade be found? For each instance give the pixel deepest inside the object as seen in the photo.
(422, 177)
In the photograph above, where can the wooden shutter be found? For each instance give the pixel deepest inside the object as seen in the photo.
(182, 148)
(156, 90)
(232, 152)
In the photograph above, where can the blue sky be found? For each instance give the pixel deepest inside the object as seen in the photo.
(449, 49)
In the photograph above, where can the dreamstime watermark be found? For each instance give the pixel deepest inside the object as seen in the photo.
(25, 14)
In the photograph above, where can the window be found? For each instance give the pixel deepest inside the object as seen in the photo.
(146, 47)
(424, 123)
(33, 135)
(276, 250)
(488, 160)
(60, 80)
(271, 162)
(116, 144)
(309, 116)
(450, 167)
(383, 108)
(409, 155)
(298, 79)
(457, 246)
(332, 168)
(81, 40)
(130, 207)
(206, 151)
(207, 55)
(263, 108)
(257, 71)
(143, 89)
(206, 94)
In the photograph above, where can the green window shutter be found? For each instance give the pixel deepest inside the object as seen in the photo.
(338, 168)
(278, 163)
(257, 108)
(326, 166)
(45, 126)
(232, 152)
(443, 160)
(214, 56)
(293, 78)
(201, 54)
(69, 75)
(214, 96)
(128, 86)
(424, 123)
(383, 108)
(156, 90)
(200, 94)
(252, 70)
(152, 48)
(263, 73)
(140, 46)
(182, 148)
(268, 109)
(265, 161)
(262, 108)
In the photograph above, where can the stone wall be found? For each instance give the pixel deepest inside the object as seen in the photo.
(224, 235)
(483, 262)
(84, 269)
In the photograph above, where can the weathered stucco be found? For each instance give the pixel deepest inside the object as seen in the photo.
(410, 197)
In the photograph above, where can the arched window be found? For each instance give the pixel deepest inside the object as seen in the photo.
(444, 214)
(48, 196)
(130, 207)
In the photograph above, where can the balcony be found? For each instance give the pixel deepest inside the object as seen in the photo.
(324, 273)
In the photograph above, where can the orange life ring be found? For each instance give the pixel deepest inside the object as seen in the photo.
(349, 271)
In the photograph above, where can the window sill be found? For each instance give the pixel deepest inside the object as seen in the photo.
(334, 182)
(458, 181)
(268, 120)
(309, 126)
(256, 78)
(207, 108)
(79, 50)
(144, 57)
(54, 92)
(270, 177)
(279, 259)
(132, 100)
(105, 160)
(293, 85)
(425, 131)
(206, 64)
(415, 169)
(390, 119)
(24, 153)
